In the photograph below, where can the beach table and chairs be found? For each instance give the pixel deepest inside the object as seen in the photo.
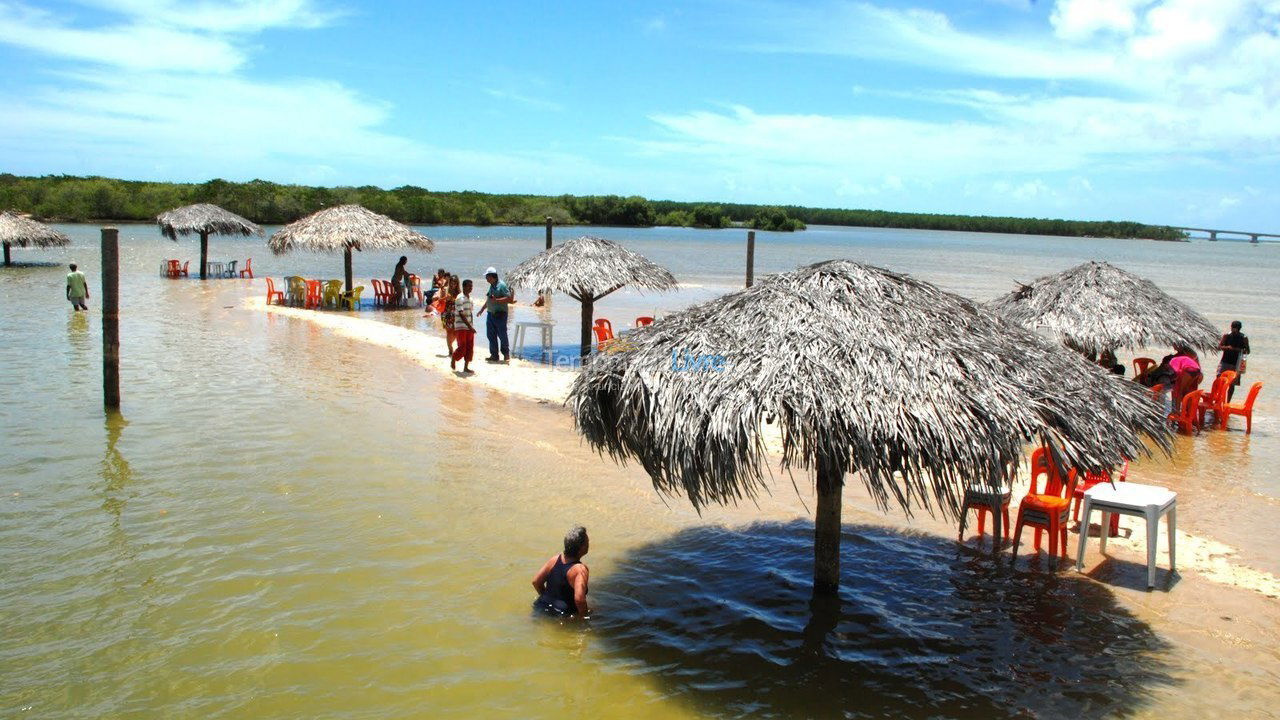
(174, 268)
(1145, 501)
(214, 268)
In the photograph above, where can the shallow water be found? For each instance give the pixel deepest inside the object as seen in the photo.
(286, 523)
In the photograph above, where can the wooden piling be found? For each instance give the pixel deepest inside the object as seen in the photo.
(751, 257)
(548, 232)
(8, 262)
(111, 318)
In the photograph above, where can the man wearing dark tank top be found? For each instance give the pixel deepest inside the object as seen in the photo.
(562, 582)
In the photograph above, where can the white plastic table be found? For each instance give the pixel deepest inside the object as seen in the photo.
(545, 328)
(1129, 498)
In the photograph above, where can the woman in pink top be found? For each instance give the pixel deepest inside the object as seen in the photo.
(1187, 366)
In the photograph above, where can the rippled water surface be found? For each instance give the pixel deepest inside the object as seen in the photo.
(285, 523)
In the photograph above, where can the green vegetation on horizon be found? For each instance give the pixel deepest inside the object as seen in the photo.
(79, 199)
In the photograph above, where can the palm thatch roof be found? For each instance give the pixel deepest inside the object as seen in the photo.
(346, 227)
(918, 390)
(22, 231)
(203, 219)
(1096, 306)
(589, 267)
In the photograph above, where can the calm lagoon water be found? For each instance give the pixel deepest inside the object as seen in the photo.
(284, 523)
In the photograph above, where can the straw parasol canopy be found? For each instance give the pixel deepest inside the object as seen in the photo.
(1096, 306)
(347, 228)
(203, 219)
(587, 269)
(919, 392)
(22, 231)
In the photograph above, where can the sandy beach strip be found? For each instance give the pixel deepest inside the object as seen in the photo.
(1212, 560)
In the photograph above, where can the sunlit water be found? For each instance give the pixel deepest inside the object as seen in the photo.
(285, 523)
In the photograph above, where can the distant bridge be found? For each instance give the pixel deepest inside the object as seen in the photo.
(1213, 234)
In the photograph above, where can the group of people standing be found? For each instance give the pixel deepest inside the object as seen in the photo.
(451, 301)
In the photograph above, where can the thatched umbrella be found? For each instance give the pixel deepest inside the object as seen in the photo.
(205, 219)
(347, 227)
(587, 269)
(22, 231)
(1096, 306)
(918, 391)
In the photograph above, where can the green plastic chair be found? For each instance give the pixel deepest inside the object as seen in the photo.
(352, 299)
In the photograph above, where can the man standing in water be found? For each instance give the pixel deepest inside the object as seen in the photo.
(562, 582)
(77, 289)
(1234, 346)
(496, 301)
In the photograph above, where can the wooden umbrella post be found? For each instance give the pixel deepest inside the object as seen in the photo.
(546, 294)
(8, 262)
(588, 312)
(751, 256)
(204, 253)
(346, 263)
(111, 318)
(826, 528)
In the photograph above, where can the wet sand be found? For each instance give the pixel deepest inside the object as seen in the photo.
(1217, 609)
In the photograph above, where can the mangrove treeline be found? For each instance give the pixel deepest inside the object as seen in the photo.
(78, 199)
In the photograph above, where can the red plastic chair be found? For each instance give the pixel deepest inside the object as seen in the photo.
(248, 269)
(604, 330)
(1091, 479)
(1046, 511)
(313, 294)
(1215, 398)
(1187, 418)
(645, 320)
(1142, 364)
(1156, 391)
(175, 269)
(379, 295)
(273, 292)
(1245, 410)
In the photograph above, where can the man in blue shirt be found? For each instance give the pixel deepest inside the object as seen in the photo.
(496, 301)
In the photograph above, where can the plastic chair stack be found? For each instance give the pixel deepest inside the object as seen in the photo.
(331, 295)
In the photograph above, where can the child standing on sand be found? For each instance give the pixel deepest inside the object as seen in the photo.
(464, 330)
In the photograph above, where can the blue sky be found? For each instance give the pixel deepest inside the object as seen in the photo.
(1156, 110)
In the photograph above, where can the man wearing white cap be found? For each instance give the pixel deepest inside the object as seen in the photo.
(496, 301)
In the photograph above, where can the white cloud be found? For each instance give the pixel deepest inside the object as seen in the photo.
(129, 46)
(1082, 19)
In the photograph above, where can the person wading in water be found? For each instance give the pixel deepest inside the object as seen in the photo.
(562, 581)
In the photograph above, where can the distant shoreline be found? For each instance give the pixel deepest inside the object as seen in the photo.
(72, 199)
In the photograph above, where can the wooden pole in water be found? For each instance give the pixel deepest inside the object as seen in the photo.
(204, 253)
(9, 262)
(826, 528)
(548, 232)
(751, 257)
(546, 294)
(111, 318)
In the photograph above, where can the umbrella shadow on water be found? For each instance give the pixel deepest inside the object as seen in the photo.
(922, 627)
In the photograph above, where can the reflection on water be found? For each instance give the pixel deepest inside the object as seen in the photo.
(922, 627)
